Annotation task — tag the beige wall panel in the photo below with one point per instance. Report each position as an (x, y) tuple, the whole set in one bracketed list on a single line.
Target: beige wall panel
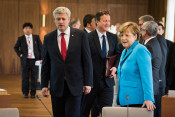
[(14, 13), (8, 33)]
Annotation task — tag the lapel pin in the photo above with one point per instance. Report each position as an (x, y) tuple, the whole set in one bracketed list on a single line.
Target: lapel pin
[(72, 35)]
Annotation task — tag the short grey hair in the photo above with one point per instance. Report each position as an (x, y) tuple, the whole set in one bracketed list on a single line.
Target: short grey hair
[(74, 21), (61, 10), (151, 27), (146, 18)]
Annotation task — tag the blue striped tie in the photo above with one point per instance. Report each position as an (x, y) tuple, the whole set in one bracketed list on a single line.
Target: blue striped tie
[(104, 47)]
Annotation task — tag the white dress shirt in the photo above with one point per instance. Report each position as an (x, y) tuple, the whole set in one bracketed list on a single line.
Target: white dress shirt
[(146, 41), (66, 36), (30, 46), (101, 40), (87, 30)]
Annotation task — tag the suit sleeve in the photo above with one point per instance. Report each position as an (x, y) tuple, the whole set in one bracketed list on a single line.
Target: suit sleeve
[(45, 70), (17, 47), (39, 47), (87, 62), (145, 69), (117, 52)]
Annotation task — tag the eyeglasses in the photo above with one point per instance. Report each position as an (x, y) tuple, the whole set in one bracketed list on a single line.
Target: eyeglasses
[(140, 24), (142, 29), (78, 24)]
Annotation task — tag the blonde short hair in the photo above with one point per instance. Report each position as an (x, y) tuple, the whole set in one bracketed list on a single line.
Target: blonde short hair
[(133, 27), (61, 10)]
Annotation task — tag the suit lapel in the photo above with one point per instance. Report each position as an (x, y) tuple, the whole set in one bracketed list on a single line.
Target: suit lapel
[(109, 42), (97, 42), (55, 44), (33, 42), (70, 45), (125, 55), (25, 42)]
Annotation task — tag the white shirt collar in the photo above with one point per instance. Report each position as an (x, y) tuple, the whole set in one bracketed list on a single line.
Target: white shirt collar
[(87, 30), (67, 31), (28, 36), (146, 41), (99, 34)]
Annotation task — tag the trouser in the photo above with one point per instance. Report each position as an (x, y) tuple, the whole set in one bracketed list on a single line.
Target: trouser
[(29, 70), (101, 96), (67, 105)]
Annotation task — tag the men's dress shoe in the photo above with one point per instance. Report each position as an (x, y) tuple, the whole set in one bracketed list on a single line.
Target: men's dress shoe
[(25, 95), (32, 96)]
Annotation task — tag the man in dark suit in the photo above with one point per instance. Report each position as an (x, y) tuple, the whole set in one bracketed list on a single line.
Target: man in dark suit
[(67, 64), (28, 47), (149, 33), (102, 44), (169, 67), (164, 50), (143, 19), (89, 23)]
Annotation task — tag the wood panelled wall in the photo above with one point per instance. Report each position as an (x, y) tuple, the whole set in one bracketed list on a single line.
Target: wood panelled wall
[(13, 13), (157, 8)]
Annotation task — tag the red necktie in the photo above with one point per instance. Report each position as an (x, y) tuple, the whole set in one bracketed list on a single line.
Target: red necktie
[(63, 46)]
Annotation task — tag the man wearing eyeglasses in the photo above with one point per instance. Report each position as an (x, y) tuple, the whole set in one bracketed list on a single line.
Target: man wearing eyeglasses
[(162, 76)]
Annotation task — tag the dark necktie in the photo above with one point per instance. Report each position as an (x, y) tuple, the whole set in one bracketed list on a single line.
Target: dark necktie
[(104, 47), (63, 46)]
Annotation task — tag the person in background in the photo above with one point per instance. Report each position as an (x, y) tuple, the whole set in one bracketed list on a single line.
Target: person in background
[(29, 48), (89, 23), (161, 29), (170, 60), (135, 87), (75, 23), (117, 29), (118, 36), (164, 49), (149, 33), (143, 19), (67, 64)]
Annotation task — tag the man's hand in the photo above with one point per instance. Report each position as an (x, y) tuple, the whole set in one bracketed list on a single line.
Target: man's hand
[(45, 92), (86, 89), (149, 104), (41, 61), (113, 71)]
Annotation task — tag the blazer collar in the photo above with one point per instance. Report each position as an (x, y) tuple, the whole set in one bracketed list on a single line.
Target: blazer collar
[(97, 42), (110, 41), (70, 45), (71, 39), (126, 53), (55, 44)]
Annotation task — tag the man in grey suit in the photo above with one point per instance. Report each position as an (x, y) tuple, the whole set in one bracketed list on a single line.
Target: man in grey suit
[(67, 64), (28, 47), (149, 33)]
